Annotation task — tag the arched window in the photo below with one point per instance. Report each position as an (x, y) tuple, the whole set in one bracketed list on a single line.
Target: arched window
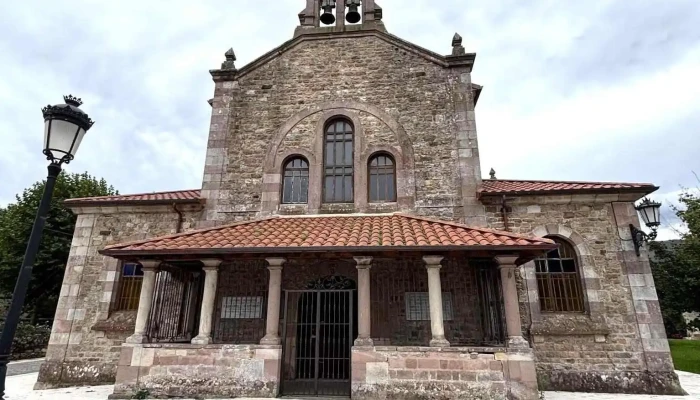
[(338, 162), (382, 178), (558, 280), (295, 188)]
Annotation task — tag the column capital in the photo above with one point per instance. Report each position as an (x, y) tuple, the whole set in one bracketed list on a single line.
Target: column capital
[(506, 261), (275, 262), (150, 265), (211, 264), (363, 262), (433, 261)]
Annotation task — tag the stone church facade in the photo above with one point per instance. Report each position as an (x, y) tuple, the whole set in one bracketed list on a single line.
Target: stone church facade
[(344, 243)]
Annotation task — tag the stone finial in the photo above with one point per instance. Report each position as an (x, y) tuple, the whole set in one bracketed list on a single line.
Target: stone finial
[(230, 60), (492, 173), (378, 14), (457, 48)]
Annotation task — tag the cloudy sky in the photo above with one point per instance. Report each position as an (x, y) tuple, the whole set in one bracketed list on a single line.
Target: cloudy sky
[(574, 90)]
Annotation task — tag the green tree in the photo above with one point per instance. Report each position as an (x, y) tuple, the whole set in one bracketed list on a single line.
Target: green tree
[(676, 267), (16, 222)]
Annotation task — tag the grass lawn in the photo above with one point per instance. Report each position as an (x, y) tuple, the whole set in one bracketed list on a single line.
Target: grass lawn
[(686, 354)]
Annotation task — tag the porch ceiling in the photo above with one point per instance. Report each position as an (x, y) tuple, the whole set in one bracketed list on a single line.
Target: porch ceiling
[(351, 233)]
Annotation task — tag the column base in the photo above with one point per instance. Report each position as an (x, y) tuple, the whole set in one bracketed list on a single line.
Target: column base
[(517, 343), (271, 340), (137, 339), (439, 342), (364, 342), (201, 339)]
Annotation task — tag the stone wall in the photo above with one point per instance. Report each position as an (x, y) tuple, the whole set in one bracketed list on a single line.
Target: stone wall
[(618, 344), (429, 373), (185, 371), (87, 335), (402, 100)]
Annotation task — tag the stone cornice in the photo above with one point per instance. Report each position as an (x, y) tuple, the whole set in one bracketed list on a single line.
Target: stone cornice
[(462, 61), (153, 208)]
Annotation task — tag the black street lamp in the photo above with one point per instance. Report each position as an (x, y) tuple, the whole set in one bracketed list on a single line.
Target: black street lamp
[(650, 211), (65, 126)]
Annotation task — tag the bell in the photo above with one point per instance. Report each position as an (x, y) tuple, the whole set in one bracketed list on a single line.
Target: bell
[(327, 17), (353, 16)]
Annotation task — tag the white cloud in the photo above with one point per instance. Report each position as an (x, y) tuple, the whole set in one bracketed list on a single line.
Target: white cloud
[(602, 90)]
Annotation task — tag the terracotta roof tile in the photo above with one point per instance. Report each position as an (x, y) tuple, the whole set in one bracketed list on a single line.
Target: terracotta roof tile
[(395, 230), (490, 186), (156, 197), (501, 186)]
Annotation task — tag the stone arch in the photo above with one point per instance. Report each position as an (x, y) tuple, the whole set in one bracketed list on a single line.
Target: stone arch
[(405, 189), (403, 154), (291, 152), (590, 280), (339, 108)]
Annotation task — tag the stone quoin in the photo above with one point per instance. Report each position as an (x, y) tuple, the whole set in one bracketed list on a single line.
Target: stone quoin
[(343, 242)]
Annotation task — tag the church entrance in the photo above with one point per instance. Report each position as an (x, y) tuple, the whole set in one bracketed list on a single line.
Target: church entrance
[(319, 328)]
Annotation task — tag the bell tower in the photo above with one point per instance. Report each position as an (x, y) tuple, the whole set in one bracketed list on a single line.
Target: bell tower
[(340, 15)]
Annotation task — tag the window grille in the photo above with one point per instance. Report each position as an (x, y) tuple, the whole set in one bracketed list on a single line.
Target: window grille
[(177, 300), (241, 302), (295, 188), (382, 179), (401, 310), (338, 163), (558, 280), (129, 289)]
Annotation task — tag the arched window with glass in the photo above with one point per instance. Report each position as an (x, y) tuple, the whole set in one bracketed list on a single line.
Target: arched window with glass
[(558, 280), (382, 178), (295, 187), (338, 162)]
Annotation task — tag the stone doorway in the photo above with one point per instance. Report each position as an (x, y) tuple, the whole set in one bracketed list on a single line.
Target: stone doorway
[(319, 327)]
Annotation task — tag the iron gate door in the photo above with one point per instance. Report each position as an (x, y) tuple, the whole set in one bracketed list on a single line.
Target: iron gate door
[(318, 333)]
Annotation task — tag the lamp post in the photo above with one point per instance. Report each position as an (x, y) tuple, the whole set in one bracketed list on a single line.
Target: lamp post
[(65, 126), (650, 211)]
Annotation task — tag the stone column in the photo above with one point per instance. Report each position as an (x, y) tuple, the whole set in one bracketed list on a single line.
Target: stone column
[(506, 264), (274, 293), (211, 278), (150, 268), (364, 304), (432, 263)]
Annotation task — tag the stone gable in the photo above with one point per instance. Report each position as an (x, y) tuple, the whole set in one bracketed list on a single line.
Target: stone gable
[(417, 96)]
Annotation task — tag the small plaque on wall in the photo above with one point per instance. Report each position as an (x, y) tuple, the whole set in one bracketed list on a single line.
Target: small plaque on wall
[(242, 307), (418, 306)]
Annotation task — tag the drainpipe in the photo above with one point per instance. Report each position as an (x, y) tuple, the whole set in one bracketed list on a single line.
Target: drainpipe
[(180, 218), (505, 209)]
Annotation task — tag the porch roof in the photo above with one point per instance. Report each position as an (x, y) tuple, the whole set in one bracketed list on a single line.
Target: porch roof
[(358, 233), (524, 187)]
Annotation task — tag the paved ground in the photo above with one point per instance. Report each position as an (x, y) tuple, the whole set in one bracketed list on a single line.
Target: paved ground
[(24, 367), (19, 387)]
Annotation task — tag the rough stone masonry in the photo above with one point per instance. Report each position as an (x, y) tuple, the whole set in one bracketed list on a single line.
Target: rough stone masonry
[(418, 107)]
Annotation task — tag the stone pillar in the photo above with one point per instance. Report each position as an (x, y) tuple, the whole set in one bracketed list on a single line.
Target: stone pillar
[(211, 278), (432, 263), (150, 268), (506, 264), (650, 323), (340, 14), (274, 293), (364, 304)]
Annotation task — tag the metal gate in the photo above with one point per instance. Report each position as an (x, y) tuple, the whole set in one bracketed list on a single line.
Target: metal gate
[(318, 331)]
